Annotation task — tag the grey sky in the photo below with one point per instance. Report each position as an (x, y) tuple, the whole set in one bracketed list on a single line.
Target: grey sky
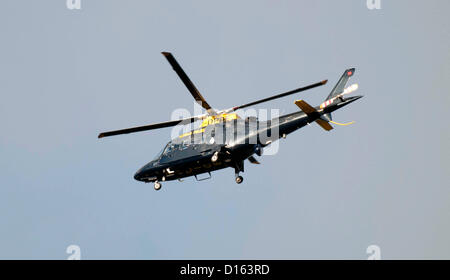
[(66, 75)]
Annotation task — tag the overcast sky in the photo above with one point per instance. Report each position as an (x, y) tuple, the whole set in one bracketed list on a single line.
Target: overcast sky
[(66, 75)]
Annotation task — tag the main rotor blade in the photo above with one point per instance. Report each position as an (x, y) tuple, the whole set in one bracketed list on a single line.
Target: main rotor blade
[(188, 83), (150, 126), (278, 96)]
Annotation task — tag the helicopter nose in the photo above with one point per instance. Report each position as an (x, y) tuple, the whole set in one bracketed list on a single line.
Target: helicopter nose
[(138, 175), (146, 173)]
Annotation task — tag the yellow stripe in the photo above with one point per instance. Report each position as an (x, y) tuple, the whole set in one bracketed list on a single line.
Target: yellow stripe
[(211, 120), (192, 132)]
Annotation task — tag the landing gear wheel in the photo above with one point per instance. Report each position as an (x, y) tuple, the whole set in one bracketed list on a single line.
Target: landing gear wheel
[(215, 157), (239, 179), (157, 186)]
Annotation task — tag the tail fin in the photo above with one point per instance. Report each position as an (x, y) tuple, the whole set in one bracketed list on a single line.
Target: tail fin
[(339, 88)]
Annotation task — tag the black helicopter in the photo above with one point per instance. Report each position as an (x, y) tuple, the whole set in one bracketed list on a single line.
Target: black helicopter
[(224, 139)]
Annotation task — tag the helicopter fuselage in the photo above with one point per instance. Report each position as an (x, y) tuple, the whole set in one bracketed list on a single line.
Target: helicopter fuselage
[(232, 141)]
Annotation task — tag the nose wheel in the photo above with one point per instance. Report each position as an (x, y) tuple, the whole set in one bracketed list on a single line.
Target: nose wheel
[(157, 186)]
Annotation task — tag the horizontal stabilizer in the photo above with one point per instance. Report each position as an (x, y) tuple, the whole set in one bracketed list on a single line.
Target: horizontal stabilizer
[(324, 124), (305, 107), (311, 111)]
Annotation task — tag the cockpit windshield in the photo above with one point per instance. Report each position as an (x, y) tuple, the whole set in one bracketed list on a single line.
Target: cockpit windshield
[(170, 148), (158, 155), (167, 150)]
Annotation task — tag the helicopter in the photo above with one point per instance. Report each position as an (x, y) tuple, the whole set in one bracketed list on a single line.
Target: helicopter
[(224, 139)]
